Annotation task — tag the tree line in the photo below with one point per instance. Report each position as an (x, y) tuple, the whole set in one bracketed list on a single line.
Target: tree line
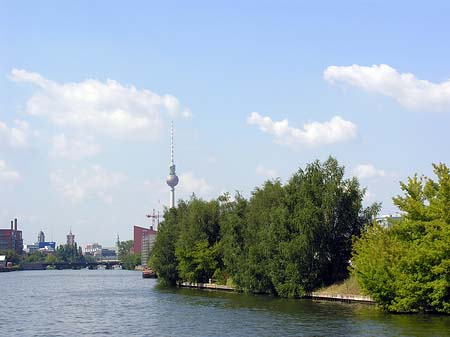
[(286, 239), (289, 239)]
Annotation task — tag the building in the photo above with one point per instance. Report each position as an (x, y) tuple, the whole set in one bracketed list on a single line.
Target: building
[(138, 232), (70, 238), (109, 254), (41, 237), (32, 248), (11, 239), (95, 250), (47, 246), (388, 219), (146, 235), (99, 253), (148, 240), (41, 245)]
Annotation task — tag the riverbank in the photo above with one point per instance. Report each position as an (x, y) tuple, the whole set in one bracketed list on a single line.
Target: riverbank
[(8, 269), (340, 298), (213, 286), (321, 295)]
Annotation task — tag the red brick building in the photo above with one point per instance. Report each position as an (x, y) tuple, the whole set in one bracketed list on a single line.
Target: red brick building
[(139, 234), (11, 238)]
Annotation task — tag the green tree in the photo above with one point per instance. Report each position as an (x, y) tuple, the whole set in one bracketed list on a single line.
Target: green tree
[(12, 256), (130, 261), (324, 212), (285, 240), (34, 257), (162, 257), (51, 259), (196, 244), (232, 243), (125, 248), (262, 216), (69, 254), (407, 267), (126, 256)]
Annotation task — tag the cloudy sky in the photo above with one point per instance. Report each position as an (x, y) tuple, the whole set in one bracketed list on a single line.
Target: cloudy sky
[(256, 90)]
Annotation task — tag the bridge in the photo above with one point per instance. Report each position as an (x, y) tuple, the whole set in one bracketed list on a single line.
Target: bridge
[(108, 264)]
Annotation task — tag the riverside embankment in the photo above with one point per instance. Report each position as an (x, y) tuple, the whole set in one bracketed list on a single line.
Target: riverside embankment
[(348, 298)]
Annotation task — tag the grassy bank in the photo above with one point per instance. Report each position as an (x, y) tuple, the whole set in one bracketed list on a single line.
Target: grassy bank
[(347, 287)]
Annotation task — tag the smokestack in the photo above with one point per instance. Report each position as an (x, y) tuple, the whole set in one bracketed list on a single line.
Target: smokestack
[(15, 224), (12, 225)]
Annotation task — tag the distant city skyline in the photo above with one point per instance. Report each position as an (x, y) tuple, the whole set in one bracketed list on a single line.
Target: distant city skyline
[(256, 89)]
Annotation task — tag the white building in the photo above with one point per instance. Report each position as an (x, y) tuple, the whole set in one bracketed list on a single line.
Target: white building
[(387, 220), (95, 250)]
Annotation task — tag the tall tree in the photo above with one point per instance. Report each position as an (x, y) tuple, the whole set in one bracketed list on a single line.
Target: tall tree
[(407, 267), (195, 248), (232, 226), (162, 257)]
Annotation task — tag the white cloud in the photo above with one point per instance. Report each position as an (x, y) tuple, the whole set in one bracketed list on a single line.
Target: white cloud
[(6, 174), (189, 184), (16, 136), (107, 107), (406, 88), (268, 173), (73, 148), (93, 181), (364, 171), (313, 133)]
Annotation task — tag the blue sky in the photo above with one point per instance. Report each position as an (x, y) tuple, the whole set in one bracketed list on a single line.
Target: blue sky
[(255, 89)]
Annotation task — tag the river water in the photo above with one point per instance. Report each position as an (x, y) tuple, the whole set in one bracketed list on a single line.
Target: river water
[(121, 303)]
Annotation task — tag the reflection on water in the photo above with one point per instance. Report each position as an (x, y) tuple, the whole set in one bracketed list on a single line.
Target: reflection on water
[(121, 303)]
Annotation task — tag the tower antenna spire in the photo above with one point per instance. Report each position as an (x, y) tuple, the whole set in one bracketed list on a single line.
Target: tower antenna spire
[(171, 144), (172, 178)]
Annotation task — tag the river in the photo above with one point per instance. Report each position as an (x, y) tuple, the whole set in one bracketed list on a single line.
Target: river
[(121, 303)]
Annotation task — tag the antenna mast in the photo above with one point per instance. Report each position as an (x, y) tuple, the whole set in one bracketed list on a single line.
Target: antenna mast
[(172, 178)]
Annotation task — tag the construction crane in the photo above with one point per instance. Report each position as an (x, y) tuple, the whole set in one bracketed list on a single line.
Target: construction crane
[(155, 219)]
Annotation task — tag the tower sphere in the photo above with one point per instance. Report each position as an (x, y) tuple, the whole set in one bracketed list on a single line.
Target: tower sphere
[(172, 180)]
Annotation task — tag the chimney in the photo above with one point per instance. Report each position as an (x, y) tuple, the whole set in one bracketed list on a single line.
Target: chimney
[(15, 224), (12, 225)]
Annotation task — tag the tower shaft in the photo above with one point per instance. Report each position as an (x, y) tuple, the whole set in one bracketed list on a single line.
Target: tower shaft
[(172, 198)]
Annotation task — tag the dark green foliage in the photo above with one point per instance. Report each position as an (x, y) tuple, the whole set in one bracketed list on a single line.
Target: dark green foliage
[(162, 258), (195, 248), (35, 257), (284, 240), (406, 268), (69, 254), (324, 213), (259, 223), (50, 259), (125, 248), (131, 260), (12, 256), (232, 226), (126, 256)]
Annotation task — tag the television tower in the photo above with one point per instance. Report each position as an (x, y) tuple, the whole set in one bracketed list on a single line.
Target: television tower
[(172, 178)]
